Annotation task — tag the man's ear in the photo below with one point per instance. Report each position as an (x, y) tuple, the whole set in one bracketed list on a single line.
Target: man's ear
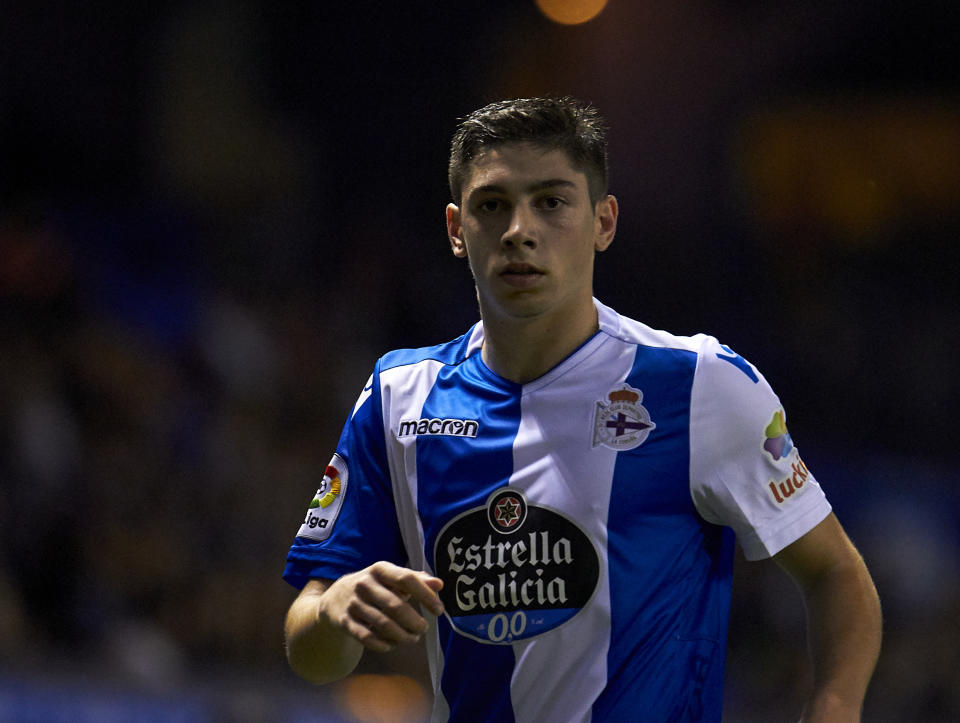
[(605, 222), (455, 232)]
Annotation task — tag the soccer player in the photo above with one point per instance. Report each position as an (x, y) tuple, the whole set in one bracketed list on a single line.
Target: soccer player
[(551, 499)]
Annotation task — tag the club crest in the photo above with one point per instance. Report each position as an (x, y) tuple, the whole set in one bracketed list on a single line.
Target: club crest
[(621, 422)]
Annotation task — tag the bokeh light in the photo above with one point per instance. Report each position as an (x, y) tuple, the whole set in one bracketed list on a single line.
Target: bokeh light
[(373, 698), (571, 12)]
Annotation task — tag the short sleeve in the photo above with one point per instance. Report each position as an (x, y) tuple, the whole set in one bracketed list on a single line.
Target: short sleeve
[(351, 522), (746, 471)]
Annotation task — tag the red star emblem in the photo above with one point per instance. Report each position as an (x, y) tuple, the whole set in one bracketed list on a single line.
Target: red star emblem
[(507, 512)]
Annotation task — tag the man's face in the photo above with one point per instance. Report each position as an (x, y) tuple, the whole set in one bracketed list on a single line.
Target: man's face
[(529, 229)]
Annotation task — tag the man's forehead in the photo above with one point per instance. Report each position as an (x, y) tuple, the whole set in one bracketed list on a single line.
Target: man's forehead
[(522, 163)]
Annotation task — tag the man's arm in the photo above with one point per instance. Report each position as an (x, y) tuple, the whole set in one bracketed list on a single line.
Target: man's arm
[(330, 623), (843, 619)]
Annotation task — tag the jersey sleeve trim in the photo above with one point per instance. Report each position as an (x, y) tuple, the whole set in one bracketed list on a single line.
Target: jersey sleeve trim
[(764, 541), (301, 569)]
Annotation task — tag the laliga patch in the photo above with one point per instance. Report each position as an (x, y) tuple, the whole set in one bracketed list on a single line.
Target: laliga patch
[(326, 504), (621, 422), (513, 570)]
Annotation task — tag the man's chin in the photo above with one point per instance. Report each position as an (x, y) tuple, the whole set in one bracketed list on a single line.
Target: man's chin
[(526, 304)]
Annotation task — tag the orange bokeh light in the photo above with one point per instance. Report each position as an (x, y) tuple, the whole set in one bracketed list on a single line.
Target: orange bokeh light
[(382, 698), (571, 12)]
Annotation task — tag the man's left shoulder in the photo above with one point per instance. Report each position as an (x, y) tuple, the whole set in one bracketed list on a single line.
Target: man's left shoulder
[(716, 363), (636, 332)]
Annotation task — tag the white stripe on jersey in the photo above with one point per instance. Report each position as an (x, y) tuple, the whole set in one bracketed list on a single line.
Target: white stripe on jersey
[(411, 385), (537, 464)]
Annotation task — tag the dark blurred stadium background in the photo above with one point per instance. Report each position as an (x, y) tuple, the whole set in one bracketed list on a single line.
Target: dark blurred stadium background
[(215, 216)]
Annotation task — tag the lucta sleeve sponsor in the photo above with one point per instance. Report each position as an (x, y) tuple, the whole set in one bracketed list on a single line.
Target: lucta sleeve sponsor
[(746, 471)]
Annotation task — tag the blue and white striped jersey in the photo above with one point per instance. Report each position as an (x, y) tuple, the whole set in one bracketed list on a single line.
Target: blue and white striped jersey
[(583, 523)]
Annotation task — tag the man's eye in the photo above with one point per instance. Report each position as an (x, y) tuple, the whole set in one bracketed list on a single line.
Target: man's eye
[(552, 202), (489, 206)]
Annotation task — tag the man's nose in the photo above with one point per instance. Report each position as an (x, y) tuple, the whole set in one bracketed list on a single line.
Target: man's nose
[(522, 230)]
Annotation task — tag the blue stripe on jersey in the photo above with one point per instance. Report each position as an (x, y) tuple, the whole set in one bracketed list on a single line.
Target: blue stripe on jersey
[(455, 474), (658, 542), (450, 352)]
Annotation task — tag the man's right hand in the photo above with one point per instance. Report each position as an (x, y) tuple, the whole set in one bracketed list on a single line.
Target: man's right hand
[(330, 623), (376, 605)]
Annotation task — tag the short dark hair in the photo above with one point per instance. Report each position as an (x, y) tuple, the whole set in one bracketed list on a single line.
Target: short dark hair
[(562, 123)]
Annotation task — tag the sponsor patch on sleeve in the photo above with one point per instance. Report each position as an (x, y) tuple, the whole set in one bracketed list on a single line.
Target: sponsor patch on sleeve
[(793, 483), (779, 450), (777, 442), (326, 504)]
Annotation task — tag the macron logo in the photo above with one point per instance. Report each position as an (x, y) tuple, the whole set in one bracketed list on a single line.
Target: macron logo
[(445, 427)]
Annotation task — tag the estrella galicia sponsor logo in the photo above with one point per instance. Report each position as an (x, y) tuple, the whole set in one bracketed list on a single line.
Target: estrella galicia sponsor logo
[(326, 504), (513, 570), (436, 427)]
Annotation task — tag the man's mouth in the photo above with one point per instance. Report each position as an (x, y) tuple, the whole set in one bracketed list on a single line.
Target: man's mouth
[(520, 270), (518, 274)]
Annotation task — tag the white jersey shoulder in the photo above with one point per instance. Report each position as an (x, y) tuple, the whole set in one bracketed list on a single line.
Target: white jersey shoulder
[(635, 332)]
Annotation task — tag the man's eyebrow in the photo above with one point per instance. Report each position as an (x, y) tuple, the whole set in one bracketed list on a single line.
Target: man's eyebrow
[(537, 186), (553, 183)]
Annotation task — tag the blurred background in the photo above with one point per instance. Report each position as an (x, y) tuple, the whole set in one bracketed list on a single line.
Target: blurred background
[(215, 216)]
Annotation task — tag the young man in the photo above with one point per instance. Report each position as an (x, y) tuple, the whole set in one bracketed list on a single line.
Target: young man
[(551, 499)]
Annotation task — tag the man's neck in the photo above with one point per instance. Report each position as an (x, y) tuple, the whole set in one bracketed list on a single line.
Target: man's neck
[(522, 350)]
